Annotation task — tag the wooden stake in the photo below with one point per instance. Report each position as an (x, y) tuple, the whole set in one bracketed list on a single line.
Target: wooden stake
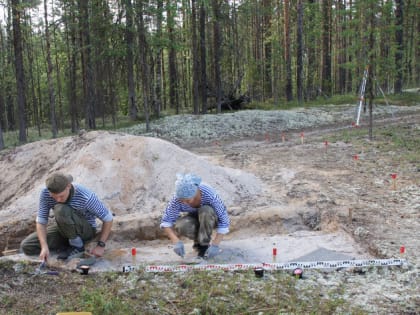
[(350, 215), (10, 252)]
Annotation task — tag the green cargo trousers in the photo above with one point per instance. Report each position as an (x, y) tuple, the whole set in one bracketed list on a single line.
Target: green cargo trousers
[(198, 226), (69, 225)]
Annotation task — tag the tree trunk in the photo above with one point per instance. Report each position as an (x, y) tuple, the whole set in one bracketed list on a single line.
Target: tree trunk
[(287, 57), (59, 95), (299, 57), (349, 57), (51, 91), (399, 39), (3, 64), (267, 49), (371, 57), (194, 56), (1, 137), (217, 53), (19, 70), (158, 70), (35, 99), (312, 76), (72, 61), (89, 91), (203, 58), (326, 47), (129, 31), (144, 66), (173, 75), (341, 48)]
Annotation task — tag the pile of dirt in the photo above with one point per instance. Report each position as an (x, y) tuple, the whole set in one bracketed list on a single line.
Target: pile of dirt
[(133, 175)]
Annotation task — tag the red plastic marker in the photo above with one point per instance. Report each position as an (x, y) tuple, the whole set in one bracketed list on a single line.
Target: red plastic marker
[(133, 254), (402, 250), (394, 181), (302, 136), (274, 254)]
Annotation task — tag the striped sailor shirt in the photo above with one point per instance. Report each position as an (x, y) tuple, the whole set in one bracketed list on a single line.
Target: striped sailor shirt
[(208, 197), (84, 201)]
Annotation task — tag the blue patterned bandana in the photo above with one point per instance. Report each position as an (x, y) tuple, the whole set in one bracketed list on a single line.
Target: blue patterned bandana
[(186, 185)]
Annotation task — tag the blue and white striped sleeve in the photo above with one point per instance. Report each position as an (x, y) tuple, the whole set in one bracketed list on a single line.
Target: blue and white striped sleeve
[(171, 213), (210, 197), (223, 223), (46, 203), (95, 206)]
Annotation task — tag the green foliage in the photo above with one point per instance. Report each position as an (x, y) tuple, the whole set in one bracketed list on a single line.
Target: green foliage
[(102, 301), (199, 292), (403, 142), (252, 59), (403, 99), (205, 293)]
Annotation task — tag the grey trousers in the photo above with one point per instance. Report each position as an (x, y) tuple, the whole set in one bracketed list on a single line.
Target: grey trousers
[(69, 225), (198, 226)]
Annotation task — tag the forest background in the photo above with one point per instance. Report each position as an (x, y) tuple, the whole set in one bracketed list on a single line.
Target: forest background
[(68, 65)]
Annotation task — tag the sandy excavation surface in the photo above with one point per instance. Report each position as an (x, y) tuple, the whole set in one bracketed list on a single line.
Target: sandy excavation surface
[(300, 196)]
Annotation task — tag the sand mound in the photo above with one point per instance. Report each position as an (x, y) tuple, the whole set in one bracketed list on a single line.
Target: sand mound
[(133, 175)]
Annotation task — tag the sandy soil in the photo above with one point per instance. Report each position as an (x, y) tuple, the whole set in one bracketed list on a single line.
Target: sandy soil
[(299, 195), (275, 189)]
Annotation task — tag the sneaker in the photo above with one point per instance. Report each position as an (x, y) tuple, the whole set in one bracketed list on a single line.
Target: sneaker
[(71, 252)]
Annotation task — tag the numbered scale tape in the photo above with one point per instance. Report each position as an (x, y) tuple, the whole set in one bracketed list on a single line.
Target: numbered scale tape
[(332, 264)]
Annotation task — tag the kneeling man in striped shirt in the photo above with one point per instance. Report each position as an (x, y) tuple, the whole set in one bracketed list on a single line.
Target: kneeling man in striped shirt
[(75, 209), (194, 211)]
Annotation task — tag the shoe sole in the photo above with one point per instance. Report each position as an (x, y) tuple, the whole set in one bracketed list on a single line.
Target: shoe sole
[(78, 255)]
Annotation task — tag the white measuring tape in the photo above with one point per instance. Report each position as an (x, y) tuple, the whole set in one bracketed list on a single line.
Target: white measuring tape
[(273, 266)]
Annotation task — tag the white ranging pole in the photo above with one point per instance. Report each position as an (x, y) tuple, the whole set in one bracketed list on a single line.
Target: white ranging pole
[(332, 264), (362, 94)]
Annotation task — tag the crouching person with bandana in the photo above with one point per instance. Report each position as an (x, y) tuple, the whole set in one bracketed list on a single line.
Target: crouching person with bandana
[(75, 210), (195, 211)]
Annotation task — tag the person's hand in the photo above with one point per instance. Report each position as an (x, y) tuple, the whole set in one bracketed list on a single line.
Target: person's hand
[(212, 251), (98, 251), (179, 249), (43, 255)]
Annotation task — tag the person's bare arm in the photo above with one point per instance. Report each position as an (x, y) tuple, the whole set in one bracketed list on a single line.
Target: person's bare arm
[(171, 234), (217, 239), (41, 231), (105, 231)]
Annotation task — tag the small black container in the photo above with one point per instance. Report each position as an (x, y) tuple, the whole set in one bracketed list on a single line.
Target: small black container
[(84, 269), (259, 272)]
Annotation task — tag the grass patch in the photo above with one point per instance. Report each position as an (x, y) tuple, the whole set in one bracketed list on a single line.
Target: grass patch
[(399, 146), (215, 292)]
